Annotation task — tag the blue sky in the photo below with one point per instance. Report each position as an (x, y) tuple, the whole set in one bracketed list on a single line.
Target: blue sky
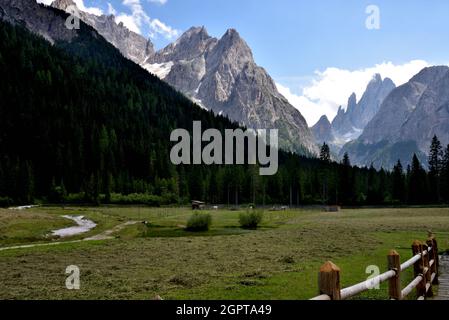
[(301, 42)]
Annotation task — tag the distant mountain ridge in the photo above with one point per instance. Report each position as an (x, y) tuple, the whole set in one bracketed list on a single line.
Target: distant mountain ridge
[(359, 114), (217, 74), (406, 122), (132, 45), (221, 75), (348, 125)]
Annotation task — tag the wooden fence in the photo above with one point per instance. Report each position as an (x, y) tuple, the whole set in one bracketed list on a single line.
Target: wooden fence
[(425, 267)]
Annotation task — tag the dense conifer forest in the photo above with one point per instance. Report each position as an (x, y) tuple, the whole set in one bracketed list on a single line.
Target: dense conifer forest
[(80, 123)]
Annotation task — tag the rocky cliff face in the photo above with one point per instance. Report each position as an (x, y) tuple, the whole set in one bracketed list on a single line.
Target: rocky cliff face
[(218, 74), (47, 23), (221, 75), (131, 45), (406, 122), (323, 132), (342, 123), (370, 103), (357, 115)]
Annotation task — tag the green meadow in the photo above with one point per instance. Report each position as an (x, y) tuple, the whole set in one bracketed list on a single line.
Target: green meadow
[(279, 260)]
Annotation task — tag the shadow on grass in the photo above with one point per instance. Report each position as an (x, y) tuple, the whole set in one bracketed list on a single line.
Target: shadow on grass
[(170, 232)]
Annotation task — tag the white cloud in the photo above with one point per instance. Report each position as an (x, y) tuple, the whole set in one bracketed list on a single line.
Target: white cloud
[(310, 110), (80, 5), (158, 27), (111, 9), (135, 21), (92, 10), (128, 22), (161, 2), (139, 18), (331, 88), (46, 2)]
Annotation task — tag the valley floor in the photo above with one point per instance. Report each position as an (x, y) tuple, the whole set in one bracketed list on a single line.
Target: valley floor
[(139, 261)]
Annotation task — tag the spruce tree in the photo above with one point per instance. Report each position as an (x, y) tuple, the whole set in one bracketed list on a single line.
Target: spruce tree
[(445, 175), (435, 159), (418, 187), (346, 181), (398, 183), (325, 154)]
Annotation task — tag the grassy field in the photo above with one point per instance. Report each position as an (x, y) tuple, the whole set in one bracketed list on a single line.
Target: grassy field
[(280, 260)]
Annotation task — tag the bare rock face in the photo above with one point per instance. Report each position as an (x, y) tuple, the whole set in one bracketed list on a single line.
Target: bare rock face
[(218, 74), (348, 125), (323, 132), (406, 122), (221, 75), (342, 123), (132, 45), (49, 24), (370, 103), (357, 115)]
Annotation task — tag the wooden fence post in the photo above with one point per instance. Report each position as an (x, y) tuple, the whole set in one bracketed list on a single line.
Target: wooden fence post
[(329, 280), (428, 273), (437, 260), (418, 269), (394, 284), (433, 254)]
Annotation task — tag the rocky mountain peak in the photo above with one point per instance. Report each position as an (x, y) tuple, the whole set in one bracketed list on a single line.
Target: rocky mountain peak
[(407, 120), (324, 121), (232, 33), (430, 75), (323, 132), (63, 4), (222, 76), (358, 114), (195, 32), (132, 45), (352, 103), (389, 82), (340, 111), (36, 18), (231, 50), (377, 82), (377, 78), (232, 39), (191, 45)]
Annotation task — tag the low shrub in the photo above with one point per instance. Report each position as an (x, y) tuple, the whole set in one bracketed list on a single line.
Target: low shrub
[(251, 219), (75, 198), (5, 202), (136, 198), (199, 222)]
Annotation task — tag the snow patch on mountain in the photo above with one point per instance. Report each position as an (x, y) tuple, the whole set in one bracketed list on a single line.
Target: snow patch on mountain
[(160, 70)]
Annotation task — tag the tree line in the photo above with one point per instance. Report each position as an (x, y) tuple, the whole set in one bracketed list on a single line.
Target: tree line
[(80, 123)]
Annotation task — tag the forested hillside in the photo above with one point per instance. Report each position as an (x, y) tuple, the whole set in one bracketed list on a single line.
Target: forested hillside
[(78, 122)]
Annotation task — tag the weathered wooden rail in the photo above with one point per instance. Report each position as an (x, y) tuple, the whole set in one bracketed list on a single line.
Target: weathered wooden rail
[(425, 262)]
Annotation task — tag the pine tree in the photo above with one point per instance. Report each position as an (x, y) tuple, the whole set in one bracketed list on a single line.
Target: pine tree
[(398, 183), (445, 175), (325, 153), (346, 181), (346, 162), (435, 159), (418, 187)]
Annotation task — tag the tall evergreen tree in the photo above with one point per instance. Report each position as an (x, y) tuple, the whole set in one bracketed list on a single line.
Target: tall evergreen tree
[(435, 159), (398, 183), (346, 181), (325, 154), (418, 186), (445, 175)]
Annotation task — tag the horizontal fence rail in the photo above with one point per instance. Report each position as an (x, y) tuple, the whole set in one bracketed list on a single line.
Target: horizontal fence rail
[(425, 268)]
